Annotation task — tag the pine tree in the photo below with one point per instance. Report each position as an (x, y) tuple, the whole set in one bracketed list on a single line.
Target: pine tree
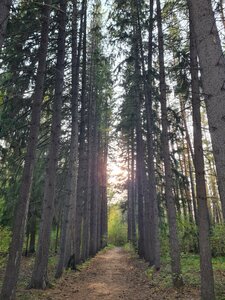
[(212, 64), (207, 282), (39, 276), (4, 15), (21, 211), (171, 210)]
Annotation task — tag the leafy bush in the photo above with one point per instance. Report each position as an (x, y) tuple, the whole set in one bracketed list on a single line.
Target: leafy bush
[(218, 240), (117, 228), (5, 236), (188, 236)]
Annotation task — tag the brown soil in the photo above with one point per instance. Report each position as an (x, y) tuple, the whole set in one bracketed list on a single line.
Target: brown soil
[(111, 275)]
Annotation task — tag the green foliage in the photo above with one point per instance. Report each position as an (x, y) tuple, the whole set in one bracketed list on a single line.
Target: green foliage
[(218, 240), (117, 228), (5, 236), (129, 247), (164, 239), (188, 236)]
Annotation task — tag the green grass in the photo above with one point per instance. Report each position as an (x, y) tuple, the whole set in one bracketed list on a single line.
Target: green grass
[(130, 248), (190, 264)]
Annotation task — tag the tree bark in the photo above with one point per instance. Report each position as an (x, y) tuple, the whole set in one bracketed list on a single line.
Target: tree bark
[(154, 214), (104, 216), (133, 192), (171, 210), (71, 197), (207, 281), (82, 169), (212, 64), (21, 211), (140, 169), (95, 193), (93, 155), (39, 276)]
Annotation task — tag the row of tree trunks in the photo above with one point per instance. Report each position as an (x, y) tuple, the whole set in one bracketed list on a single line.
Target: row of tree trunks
[(85, 169), (82, 169), (83, 222), (212, 64), (207, 282), (21, 210), (67, 254), (171, 210), (39, 276)]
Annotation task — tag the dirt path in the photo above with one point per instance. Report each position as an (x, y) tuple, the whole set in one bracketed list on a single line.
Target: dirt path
[(113, 274)]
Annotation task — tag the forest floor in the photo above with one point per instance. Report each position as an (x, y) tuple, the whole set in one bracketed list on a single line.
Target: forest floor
[(112, 274)]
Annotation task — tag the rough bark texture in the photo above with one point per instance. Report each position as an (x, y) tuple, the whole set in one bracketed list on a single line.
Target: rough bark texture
[(4, 15), (207, 282), (94, 195), (99, 205), (82, 169), (140, 169), (70, 200), (171, 210), (131, 233), (93, 158), (39, 276), (154, 218), (21, 211), (104, 211), (212, 64), (133, 192)]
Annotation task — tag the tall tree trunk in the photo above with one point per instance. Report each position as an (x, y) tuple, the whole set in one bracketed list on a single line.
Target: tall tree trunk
[(39, 276), (212, 64), (94, 194), (100, 184), (104, 227), (171, 210), (129, 195), (4, 15), (93, 164), (207, 282), (140, 169), (90, 118), (70, 201), (133, 192), (21, 211), (82, 169), (154, 238), (152, 243)]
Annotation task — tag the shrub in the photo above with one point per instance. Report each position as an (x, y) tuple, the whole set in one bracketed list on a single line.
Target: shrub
[(188, 236), (5, 236), (117, 228), (218, 240)]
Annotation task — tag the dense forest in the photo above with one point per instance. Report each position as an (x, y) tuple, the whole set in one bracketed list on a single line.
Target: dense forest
[(90, 86)]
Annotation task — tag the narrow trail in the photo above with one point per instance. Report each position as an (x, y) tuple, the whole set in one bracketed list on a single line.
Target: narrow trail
[(113, 274)]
